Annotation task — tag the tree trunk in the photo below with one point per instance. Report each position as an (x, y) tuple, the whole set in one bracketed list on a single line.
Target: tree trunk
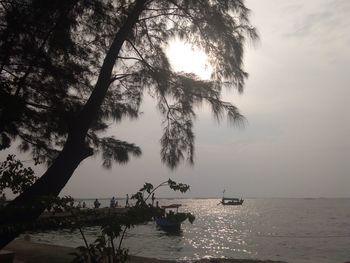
[(26, 208)]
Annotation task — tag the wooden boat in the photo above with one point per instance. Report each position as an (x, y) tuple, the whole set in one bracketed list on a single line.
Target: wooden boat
[(231, 201), (168, 221)]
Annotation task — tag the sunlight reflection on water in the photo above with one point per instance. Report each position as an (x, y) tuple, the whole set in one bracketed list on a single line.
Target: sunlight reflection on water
[(293, 230)]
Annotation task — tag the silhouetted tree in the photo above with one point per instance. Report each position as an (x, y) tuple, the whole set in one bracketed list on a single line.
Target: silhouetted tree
[(69, 66), (47, 72)]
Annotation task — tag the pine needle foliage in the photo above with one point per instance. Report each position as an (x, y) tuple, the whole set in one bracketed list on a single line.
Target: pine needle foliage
[(51, 54)]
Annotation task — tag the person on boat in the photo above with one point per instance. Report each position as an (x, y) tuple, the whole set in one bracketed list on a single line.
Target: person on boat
[(112, 203), (97, 203), (153, 199), (127, 201)]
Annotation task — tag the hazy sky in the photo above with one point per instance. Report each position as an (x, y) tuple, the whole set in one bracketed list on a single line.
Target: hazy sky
[(296, 141)]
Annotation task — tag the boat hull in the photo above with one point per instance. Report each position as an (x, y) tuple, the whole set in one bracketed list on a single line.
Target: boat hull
[(232, 201), (168, 225)]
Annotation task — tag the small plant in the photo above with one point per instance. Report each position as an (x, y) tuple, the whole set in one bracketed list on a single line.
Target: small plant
[(106, 248)]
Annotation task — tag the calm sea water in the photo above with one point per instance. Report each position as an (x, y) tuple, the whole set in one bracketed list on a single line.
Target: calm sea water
[(292, 230)]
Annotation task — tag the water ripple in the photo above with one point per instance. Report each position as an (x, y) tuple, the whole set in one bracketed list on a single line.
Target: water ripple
[(293, 230)]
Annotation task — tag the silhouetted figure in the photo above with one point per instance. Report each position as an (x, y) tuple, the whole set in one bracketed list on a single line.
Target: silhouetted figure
[(2, 200), (157, 204), (84, 205), (127, 201), (112, 203), (153, 199), (97, 203)]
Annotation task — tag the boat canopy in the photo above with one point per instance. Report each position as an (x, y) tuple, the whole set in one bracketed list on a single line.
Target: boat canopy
[(171, 206), (230, 199)]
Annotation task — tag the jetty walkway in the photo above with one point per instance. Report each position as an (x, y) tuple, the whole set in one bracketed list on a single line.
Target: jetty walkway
[(84, 216)]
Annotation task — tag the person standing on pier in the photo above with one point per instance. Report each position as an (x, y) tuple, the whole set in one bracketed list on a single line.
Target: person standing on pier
[(2, 200), (153, 199), (97, 203), (112, 204), (127, 201)]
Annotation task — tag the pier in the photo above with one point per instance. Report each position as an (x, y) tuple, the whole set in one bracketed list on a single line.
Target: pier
[(67, 219), (93, 216)]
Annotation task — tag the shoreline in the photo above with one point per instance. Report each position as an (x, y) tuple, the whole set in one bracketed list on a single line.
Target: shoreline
[(30, 252)]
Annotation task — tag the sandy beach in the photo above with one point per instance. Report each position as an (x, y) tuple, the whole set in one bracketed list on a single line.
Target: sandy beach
[(30, 252)]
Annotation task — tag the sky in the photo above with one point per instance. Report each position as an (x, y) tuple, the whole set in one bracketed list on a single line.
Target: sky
[(296, 139)]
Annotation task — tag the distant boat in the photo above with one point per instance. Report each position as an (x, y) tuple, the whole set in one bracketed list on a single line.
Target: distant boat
[(231, 201)]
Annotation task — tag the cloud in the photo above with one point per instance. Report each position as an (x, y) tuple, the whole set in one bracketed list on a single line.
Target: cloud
[(323, 19)]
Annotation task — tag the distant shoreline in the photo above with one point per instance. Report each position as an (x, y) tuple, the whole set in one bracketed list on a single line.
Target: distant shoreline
[(206, 198)]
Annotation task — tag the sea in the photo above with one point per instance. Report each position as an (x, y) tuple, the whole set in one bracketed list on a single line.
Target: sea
[(290, 230)]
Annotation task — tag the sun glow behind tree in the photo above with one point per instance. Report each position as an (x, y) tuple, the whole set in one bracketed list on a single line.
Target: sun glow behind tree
[(183, 57)]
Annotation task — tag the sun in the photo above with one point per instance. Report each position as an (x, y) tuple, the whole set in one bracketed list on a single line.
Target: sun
[(183, 57)]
